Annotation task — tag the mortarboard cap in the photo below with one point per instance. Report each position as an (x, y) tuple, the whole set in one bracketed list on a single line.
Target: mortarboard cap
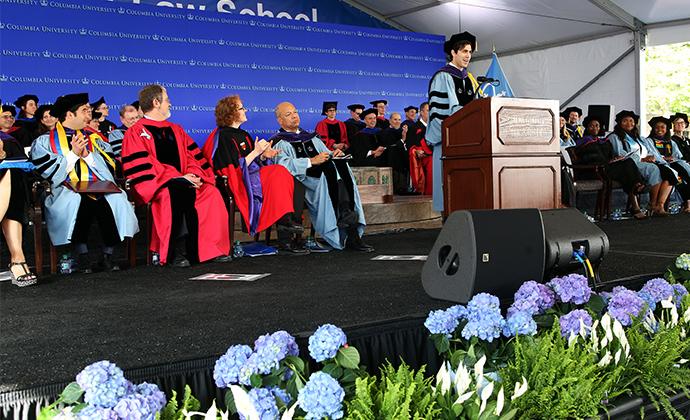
[(652, 123), (98, 103), (355, 107), (369, 111), (411, 107), (378, 101), (135, 104), (66, 102), (42, 109), (9, 108), (680, 115), (327, 105), (589, 118), (626, 113), (22, 100), (568, 110), (464, 36)]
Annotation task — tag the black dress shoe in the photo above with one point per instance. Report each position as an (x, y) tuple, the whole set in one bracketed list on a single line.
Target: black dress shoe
[(288, 226), (292, 247), (83, 264), (355, 243), (107, 264), (222, 259), (180, 262)]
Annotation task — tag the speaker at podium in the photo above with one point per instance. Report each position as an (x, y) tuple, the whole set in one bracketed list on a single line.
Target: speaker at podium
[(495, 251)]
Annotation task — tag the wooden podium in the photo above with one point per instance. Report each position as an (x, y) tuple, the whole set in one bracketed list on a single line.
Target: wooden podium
[(502, 153)]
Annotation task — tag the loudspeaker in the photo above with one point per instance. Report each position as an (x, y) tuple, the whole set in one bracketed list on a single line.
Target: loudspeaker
[(606, 113), (491, 251), (495, 251), (567, 230)]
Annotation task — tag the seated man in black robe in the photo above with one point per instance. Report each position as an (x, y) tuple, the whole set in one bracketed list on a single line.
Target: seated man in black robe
[(367, 148)]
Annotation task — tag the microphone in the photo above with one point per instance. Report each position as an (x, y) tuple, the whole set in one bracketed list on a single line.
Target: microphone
[(482, 79)]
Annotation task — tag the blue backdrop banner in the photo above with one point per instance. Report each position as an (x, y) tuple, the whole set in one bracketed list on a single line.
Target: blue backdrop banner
[(325, 11), (53, 47)]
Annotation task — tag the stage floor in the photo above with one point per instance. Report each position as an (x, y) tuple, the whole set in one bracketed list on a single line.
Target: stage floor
[(151, 316)]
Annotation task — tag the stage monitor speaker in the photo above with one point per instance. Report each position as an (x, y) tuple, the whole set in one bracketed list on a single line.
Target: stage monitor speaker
[(566, 230), (495, 251), (606, 113), (491, 251)]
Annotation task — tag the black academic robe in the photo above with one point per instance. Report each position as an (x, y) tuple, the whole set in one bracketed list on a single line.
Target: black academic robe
[(22, 133), (683, 145), (105, 127), (353, 128), (397, 157), (382, 122), (366, 140)]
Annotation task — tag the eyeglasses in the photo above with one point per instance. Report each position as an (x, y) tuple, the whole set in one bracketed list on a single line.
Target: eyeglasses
[(242, 109)]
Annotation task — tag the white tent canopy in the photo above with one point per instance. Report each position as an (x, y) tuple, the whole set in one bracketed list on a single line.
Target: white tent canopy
[(580, 52)]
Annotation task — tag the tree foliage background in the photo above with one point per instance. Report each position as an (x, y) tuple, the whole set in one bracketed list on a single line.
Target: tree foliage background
[(668, 80)]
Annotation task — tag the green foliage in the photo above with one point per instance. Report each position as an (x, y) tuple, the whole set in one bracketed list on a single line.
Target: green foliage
[(175, 411), (654, 369), (667, 79), (564, 381), (71, 395), (394, 395)]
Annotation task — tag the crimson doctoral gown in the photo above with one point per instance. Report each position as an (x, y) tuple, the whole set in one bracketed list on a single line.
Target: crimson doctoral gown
[(148, 177)]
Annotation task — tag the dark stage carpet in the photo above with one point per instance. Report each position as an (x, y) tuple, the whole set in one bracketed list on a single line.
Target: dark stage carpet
[(152, 316)]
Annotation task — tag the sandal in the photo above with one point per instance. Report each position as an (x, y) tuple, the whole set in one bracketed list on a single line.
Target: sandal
[(639, 214), (26, 279)]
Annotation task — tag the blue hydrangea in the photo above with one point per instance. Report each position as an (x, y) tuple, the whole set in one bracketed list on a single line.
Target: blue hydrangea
[(458, 311), (227, 368), (265, 404), (248, 369), (325, 342), (678, 292), (441, 322), (97, 413), (625, 305), (136, 407), (570, 322), (519, 323), (321, 397), (533, 298), (103, 384), (572, 288), (648, 298), (484, 319), (270, 349), (281, 394), (658, 289), (288, 341), (155, 398)]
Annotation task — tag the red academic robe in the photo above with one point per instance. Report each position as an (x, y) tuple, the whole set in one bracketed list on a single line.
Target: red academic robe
[(322, 131), (421, 168), (226, 154), (148, 176)]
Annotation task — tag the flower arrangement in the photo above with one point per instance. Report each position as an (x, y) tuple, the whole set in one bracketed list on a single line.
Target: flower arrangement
[(102, 392), (560, 350)]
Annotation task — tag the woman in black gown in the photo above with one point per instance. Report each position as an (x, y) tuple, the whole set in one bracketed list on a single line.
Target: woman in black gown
[(593, 149), (13, 205)]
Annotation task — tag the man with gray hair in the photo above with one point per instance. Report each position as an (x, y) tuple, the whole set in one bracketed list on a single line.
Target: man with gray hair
[(128, 116), (331, 192)]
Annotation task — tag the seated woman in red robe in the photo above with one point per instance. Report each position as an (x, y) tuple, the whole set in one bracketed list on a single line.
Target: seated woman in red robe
[(262, 191)]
